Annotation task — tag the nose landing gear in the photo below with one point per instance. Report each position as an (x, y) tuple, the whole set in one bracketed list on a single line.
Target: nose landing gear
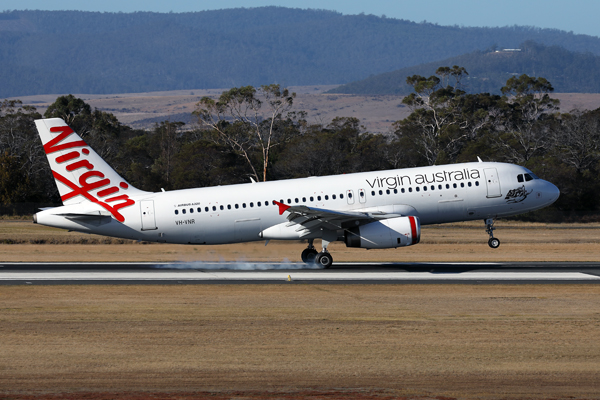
[(493, 242)]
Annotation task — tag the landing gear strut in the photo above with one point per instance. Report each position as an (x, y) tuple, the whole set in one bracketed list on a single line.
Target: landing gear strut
[(493, 242)]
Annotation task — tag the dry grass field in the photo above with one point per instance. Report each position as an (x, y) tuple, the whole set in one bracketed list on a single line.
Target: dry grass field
[(22, 241), (294, 341), (376, 113)]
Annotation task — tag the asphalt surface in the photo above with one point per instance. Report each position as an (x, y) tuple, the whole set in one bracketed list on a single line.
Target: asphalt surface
[(298, 273)]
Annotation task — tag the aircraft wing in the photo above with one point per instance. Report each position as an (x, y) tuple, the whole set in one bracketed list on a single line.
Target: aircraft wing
[(311, 219)]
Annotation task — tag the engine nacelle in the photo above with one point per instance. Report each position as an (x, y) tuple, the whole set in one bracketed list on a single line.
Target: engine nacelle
[(385, 234)]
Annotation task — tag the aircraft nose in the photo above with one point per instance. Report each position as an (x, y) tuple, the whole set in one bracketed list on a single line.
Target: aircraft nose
[(551, 192)]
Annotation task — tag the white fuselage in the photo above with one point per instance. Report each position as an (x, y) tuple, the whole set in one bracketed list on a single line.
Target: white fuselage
[(238, 213)]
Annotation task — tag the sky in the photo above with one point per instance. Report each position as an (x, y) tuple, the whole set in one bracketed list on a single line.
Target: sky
[(578, 16)]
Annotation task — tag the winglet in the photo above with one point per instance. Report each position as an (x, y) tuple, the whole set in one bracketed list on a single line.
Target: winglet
[(282, 207)]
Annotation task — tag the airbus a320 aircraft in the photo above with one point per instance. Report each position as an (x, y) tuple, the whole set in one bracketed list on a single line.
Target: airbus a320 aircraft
[(372, 210)]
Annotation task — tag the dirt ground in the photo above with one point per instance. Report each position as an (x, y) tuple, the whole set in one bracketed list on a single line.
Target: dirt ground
[(457, 341), (439, 243)]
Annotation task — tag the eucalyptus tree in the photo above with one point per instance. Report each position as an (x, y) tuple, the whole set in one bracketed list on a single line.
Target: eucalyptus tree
[(436, 122), (252, 121), (524, 130)]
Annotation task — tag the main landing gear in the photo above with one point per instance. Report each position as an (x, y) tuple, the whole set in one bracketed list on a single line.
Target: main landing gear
[(310, 255), (493, 242)]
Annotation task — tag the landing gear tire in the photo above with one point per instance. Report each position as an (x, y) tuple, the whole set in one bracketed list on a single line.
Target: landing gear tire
[(324, 260), (494, 243), (308, 255)]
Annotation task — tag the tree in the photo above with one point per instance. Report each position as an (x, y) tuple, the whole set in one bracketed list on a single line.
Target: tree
[(167, 134), (239, 120), (576, 139), (23, 153), (435, 122), (527, 109)]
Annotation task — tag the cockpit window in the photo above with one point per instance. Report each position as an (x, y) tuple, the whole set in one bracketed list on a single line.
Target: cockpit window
[(520, 178), (528, 177)]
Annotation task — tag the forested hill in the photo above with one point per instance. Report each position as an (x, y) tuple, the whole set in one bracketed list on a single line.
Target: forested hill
[(569, 72), (88, 52)]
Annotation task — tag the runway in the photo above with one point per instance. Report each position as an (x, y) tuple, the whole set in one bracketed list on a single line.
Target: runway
[(290, 273)]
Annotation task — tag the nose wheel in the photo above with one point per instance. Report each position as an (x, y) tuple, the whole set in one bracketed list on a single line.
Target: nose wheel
[(493, 242)]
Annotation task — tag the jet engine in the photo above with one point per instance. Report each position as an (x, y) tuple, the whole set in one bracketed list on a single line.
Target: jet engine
[(385, 234)]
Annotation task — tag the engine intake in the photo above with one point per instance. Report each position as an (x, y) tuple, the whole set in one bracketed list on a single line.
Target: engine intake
[(385, 234)]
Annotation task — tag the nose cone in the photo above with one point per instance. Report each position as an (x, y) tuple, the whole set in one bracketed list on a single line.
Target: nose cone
[(551, 193)]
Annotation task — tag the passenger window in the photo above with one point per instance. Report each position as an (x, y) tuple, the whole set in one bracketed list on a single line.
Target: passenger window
[(432, 187), (221, 207), (372, 193), (350, 194), (312, 198), (258, 204), (289, 201), (237, 206), (176, 212), (447, 186), (326, 197), (266, 203), (528, 178), (387, 191), (380, 192), (199, 209), (410, 189), (362, 194), (403, 191), (395, 191), (520, 178), (206, 209), (424, 188), (214, 208), (183, 211), (243, 205), (418, 189), (251, 204), (476, 183), (319, 198), (440, 187), (454, 185), (304, 199), (191, 210), (341, 196), (462, 184), (333, 196), (229, 206)]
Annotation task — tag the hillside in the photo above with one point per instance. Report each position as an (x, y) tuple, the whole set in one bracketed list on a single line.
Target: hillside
[(90, 52), (568, 71)]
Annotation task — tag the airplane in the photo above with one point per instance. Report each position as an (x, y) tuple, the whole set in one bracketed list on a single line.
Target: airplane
[(371, 210)]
